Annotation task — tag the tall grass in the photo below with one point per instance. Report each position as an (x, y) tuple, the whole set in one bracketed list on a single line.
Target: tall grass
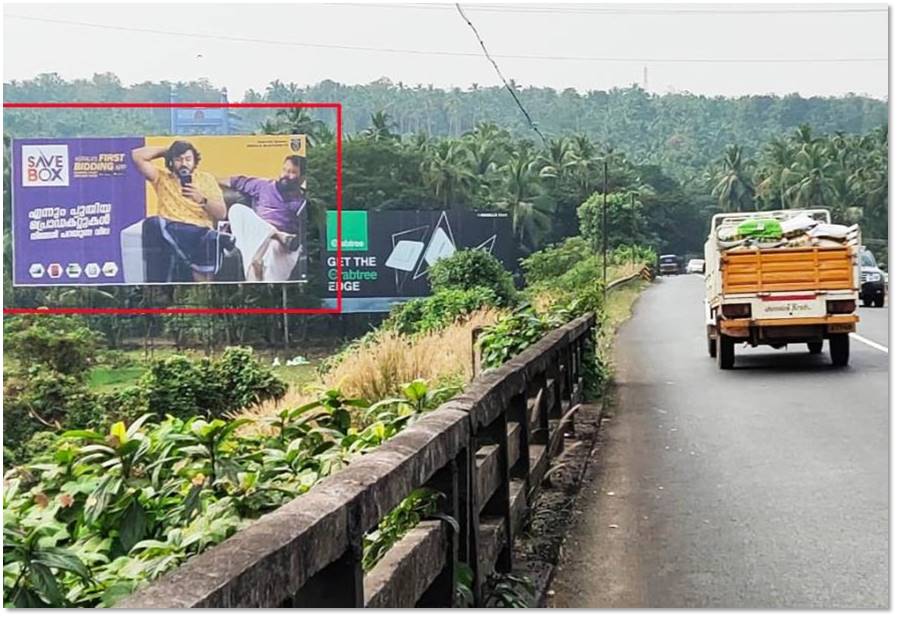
[(377, 369)]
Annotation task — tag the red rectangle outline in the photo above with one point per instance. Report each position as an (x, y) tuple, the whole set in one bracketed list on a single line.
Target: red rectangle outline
[(338, 107)]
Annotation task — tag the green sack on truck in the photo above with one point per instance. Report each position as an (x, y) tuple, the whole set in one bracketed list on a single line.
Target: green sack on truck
[(760, 228)]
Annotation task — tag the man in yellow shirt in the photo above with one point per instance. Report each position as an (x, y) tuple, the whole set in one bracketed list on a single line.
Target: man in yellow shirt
[(180, 230)]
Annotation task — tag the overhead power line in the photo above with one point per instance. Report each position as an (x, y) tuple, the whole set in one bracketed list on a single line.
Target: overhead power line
[(621, 10), (437, 52), (502, 77)]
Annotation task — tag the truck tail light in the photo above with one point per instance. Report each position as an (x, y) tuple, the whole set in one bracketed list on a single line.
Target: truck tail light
[(840, 306), (736, 310)]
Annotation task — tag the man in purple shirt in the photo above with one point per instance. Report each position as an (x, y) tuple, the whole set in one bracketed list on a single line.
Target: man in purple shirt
[(269, 232)]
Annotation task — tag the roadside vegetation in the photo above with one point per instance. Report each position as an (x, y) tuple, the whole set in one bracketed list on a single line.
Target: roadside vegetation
[(106, 490)]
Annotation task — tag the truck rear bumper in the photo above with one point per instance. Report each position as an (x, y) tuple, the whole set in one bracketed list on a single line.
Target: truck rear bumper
[(787, 330)]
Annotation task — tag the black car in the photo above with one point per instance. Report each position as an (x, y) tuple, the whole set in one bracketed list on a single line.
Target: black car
[(872, 291), (669, 264)]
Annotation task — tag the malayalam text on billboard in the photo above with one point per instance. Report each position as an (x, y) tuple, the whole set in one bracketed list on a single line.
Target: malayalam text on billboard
[(159, 210)]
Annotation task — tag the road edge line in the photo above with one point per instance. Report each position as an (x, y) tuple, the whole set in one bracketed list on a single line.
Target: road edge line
[(871, 344)]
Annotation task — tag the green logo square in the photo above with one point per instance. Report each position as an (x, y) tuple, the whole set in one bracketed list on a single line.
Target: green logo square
[(355, 230)]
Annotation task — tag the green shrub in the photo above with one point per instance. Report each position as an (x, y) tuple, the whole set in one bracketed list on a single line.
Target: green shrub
[(62, 343), (177, 386), (184, 388), (242, 381), (511, 335), (102, 512), (439, 310), (41, 399), (471, 268), (556, 260)]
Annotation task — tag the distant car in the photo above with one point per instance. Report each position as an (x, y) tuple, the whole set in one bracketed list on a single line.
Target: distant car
[(669, 264), (695, 266), (874, 281)]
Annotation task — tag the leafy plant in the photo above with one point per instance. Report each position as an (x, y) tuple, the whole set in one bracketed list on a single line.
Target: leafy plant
[(470, 268), (508, 591), (35, 565), (439, 310), (510, 336), (420, 504)]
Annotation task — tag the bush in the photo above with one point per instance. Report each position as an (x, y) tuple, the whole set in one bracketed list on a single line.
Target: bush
[(185, 388), (41, 399), (511, 335), (99, 513), (471, 268), (175, 385), (243, 381), (62, 343), (439, 310), (556, 260)]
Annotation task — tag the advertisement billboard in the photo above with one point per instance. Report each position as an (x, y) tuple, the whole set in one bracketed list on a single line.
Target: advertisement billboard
[(386, 255), (159, 210)]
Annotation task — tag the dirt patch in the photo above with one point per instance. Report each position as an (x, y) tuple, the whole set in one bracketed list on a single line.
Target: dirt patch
[(537, 549)]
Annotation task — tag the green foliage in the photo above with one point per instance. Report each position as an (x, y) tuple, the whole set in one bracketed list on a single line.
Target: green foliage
[(44, 385), (182, 387), (467, 269), (102, 512), (439, 310), (595, 371), (62, 343), (632, 254), (505, 590), (511, 335), (555, 260), (627, 221), (419, 505)]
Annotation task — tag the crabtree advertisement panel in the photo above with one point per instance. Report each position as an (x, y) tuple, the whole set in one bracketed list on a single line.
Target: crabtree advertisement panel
[(159, 210), (387, 254)]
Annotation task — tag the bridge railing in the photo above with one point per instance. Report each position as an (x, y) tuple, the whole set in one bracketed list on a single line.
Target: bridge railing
[(486, 452)]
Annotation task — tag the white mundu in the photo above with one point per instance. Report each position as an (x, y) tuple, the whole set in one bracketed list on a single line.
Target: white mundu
[(264, 258)]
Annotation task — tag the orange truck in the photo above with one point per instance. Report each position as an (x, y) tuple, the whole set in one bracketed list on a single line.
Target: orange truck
[(796, 282)]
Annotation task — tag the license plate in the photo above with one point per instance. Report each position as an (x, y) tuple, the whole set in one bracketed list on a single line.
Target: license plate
[(772, 309)]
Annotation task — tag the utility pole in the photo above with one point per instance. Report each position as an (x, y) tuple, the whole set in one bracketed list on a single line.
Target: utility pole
[(604, 228), (286, 326)]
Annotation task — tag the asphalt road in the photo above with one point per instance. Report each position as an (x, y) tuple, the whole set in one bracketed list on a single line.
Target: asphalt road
[(765, 486)]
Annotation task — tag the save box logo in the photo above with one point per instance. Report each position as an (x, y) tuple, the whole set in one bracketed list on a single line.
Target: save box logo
[(355, 230)]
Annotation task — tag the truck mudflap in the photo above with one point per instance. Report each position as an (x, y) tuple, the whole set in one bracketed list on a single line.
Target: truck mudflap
[(788, 328)]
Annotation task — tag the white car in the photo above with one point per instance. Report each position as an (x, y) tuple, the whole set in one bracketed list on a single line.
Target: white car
[(695, 266)]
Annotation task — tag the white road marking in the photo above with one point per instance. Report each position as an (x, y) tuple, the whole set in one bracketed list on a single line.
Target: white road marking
[(871, 344)]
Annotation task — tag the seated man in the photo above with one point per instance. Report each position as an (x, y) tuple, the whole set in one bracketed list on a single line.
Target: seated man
[(189, 203), (269, 233)]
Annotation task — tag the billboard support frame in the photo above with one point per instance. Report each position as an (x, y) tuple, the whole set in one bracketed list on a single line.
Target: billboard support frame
[(338, 109)]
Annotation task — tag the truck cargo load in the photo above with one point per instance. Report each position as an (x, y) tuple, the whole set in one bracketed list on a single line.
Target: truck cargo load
[(782, 277)]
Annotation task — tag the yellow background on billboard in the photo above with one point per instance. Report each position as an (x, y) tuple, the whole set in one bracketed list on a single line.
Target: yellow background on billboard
[(232, 155)]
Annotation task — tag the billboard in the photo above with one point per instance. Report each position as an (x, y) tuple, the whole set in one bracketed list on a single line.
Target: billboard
[(386, 255), (159, 210)]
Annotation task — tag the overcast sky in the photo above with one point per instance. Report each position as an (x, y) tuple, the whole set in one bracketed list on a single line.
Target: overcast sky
[(679, 46)]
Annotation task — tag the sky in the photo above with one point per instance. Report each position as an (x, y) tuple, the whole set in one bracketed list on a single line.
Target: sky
[(700, 48)]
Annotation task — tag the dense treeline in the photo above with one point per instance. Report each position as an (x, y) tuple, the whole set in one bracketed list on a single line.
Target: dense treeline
[(681, 132), (845, 173), (672, 161)]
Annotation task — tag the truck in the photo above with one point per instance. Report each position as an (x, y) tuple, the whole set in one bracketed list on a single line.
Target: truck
[(778, 278)]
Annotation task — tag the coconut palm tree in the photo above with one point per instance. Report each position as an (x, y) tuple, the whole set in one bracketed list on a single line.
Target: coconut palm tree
[(557, 159), (381, 128), (777, 156), (446, 170), (530, 208), (297, 121), (811, 178), (731, 182)]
